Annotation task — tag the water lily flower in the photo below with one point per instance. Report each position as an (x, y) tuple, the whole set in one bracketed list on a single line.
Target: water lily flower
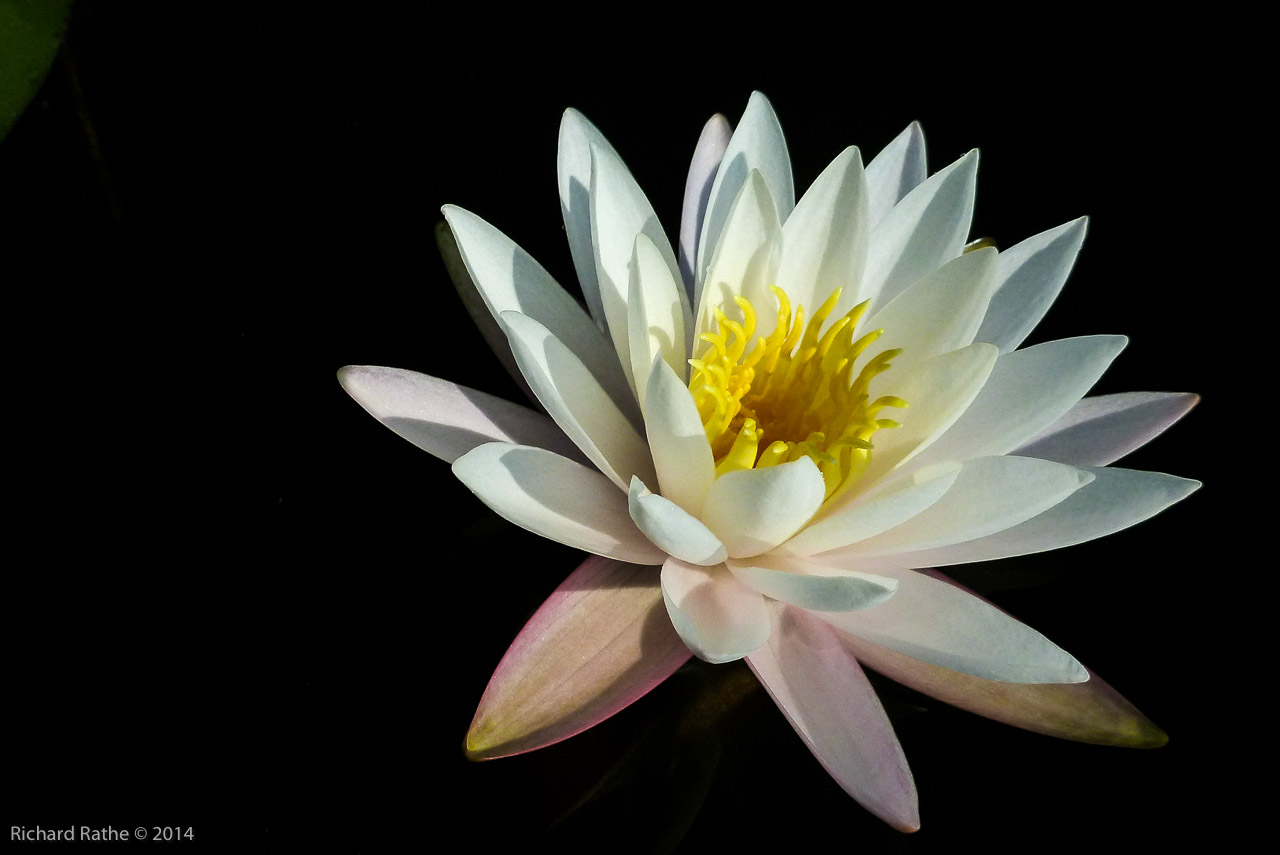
[(764, 434)]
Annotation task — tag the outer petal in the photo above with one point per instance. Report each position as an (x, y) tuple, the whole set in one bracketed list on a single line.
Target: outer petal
[(681, 453), (895, 171), (556, 498), (718, 617), (578, 404), (945, 626), (813, 586), (826, 697), (673, 529), (824, 241), (1100, 430), (1027, 390), (573, 167), (1114, 500), (924, 230), (711, 146), (619, 212), (600, 642), (510, 280), (1091, 711), (990, 494), (446, 419), (1029, 278), (753, 510), (757, 144)]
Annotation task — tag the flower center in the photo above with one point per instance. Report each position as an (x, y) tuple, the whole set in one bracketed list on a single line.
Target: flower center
[(795, 394)]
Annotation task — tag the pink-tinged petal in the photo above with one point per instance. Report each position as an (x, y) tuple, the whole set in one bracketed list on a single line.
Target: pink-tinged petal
[(599, 643), (1100, 430), (1091, 711), (824, 694), (445, 419), (719, 618), (707, 154), (556, 498)]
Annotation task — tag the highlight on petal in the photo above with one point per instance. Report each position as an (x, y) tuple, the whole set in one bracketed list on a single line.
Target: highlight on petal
[(753, 510), (599, 643), (707, 154), (927, 228), (893, 173), (1090, 711), (673, 529), (681, 454), (719, 618), (810, 585), (576, 402), (945, 626), (445, 419), (657, 316), (757, 144), (510, 280), (1027, 390), (828, 700), (1030, 276), (1113, 501), (556, 498), (1100, 430)]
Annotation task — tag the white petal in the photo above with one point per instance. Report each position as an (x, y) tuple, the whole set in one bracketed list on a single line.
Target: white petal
[(1101, 430), (619, 212), (711, 146), (895, 171), (924, 230), (825, 695), (990, 494), (673, 529), (937, 391), (446, 419), (577, 403), (1114, 500), (824, 241), (510, 280), (717, 616), (657, 316), (753, 510), (1029, 278), (681, 454), (745, 262), (573, 166), (1028, 390), (557, 499), (757, 144), (864, 519), (809, 585), (942, 625), (940, 312)]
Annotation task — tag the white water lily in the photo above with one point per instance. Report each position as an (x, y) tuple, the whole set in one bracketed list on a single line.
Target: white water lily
[(761, 439)]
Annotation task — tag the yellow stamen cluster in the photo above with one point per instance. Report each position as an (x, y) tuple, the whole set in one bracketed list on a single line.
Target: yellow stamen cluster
[(794, 394)]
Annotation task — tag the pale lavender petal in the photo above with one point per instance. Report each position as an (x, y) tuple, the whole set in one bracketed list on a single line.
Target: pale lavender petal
[(1100, 430), (445, 419), (712, 143), (599, 643), (824, 694)]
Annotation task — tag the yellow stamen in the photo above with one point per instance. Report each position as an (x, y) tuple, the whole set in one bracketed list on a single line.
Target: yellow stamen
[(800, 391)]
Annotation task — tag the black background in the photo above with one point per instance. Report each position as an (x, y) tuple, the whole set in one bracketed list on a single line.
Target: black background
[(238, 604)]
